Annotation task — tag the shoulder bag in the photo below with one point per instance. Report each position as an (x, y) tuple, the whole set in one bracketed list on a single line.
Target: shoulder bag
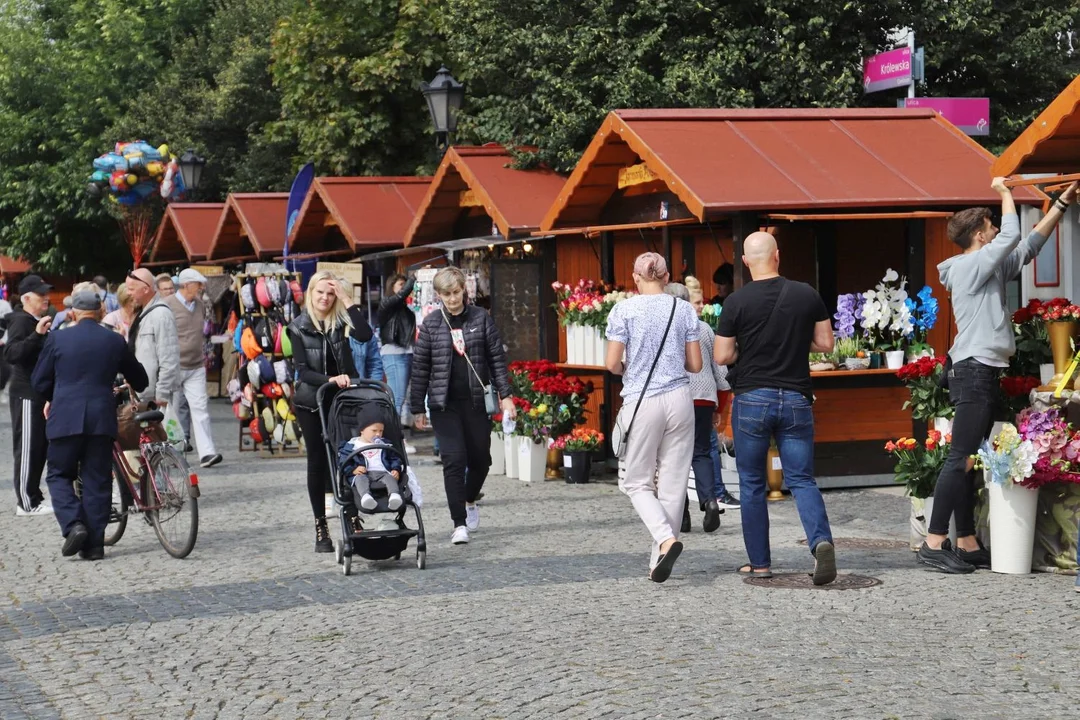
[(619, 435), (491, 396)]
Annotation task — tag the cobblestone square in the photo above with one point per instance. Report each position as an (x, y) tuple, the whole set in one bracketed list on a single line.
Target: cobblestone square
[(546, 614)]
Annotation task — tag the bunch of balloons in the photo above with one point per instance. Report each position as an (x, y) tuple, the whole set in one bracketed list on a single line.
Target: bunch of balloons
[(134, 171)]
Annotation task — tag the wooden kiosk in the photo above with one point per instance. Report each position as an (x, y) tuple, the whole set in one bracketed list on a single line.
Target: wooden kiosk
[(848, 194), (252, 227), (185, 234)]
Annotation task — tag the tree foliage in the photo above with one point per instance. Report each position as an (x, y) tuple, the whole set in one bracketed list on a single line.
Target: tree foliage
[(261, 86)]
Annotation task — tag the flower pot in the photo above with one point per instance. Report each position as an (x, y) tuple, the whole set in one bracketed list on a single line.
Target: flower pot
[(553, 469), (1046, 373), (1012, 527), (577, 464), (1061, 335), (876, 360), (510, 455), (498, 455), (894, 359), (928, 512), (532, 460), (575, 351), (943, 425), (600, 347)]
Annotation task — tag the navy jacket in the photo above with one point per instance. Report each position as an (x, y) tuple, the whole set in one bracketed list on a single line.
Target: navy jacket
[(390, 458), (76, 371)]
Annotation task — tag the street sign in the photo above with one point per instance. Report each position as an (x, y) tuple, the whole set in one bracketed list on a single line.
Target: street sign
[(887, 70), (972, 115)]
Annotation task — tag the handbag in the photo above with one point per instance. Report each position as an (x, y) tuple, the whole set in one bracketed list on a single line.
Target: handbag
[(128, 432), (491, 396), (619, 435)]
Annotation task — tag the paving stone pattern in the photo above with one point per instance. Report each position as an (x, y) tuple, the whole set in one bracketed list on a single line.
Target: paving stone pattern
[(546, 614)]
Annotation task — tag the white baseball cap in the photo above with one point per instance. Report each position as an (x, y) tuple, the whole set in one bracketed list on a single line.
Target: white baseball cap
[(190, 275)]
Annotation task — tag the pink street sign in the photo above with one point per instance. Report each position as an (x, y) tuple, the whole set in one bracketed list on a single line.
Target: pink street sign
[(887, 70), (972, 115)]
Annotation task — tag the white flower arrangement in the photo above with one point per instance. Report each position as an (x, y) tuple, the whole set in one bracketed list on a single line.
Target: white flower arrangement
[(886, 316)]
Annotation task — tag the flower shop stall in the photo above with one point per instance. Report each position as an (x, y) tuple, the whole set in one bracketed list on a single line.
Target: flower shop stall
[(867, 190)]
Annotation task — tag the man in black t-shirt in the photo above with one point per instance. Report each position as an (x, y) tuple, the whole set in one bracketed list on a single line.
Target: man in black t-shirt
[(767, 330)]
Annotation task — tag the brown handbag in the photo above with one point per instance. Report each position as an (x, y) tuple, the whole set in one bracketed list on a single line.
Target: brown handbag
[(128, 431)]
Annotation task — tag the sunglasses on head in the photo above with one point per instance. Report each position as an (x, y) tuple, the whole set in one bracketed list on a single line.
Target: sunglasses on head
[(133, 276)]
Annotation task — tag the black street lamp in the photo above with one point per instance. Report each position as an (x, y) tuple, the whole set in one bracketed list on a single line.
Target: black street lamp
[(191, 170), (444, 97)]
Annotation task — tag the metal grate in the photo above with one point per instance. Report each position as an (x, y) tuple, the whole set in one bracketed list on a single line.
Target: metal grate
[(866, 544), (802, 581)]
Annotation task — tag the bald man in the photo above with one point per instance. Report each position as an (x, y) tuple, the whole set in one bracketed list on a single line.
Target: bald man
[(153, 337), (766, 332)]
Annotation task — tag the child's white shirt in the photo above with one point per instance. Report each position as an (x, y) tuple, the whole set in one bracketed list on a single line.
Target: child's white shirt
[(372, 456)]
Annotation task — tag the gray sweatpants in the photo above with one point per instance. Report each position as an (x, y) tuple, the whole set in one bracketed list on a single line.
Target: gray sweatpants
[(658, 453)]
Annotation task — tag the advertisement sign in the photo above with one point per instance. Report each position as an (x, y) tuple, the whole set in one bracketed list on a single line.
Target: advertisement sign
[(887, 70), (297, 193), (972, 115)]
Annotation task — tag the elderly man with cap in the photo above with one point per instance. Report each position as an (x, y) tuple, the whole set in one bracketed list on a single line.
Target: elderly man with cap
[(75, 373), (152, 337), (27, 326), (189, 310)]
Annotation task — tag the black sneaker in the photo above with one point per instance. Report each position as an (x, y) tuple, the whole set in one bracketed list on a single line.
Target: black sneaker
[(727, 500), (94, 553), (685, 518), (979, 558), (944, 560), (712, 517), (210, 460), (74, 540), (323, 543)]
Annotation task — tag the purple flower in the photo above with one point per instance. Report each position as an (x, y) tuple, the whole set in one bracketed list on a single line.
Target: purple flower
[(845, 315)]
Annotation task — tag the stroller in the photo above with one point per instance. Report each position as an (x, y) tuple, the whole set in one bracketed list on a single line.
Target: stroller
[(339, 413)]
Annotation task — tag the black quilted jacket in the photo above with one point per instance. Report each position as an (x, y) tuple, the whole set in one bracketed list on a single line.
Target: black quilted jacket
[(433, 357)]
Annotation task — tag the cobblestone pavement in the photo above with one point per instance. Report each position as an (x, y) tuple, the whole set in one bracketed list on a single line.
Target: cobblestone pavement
[(546, 614)]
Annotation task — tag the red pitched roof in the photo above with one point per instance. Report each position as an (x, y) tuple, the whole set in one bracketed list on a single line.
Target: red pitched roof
[(368, 212), (718, 162), (252, 226), (13, 266), (1051, 144), (514, 200), (185, 232)]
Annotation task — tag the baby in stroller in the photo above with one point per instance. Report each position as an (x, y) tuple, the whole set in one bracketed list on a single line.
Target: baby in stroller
[(374, 466)]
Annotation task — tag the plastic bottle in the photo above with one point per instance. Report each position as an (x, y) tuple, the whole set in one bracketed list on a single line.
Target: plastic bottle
[(508, 426)]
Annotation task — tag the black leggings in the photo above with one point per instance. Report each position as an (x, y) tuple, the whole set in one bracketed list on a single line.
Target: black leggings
[(318, 467), (464, 435), (701, 462)]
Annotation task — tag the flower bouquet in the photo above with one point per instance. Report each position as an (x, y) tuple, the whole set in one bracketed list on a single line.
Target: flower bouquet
[(885, 316), (583, 310), (1016, 392), (1009, 458), (1008, 463), (1057, 446), (923, 310), (928, 399), (710, 315), (919, 464), (1032, 341), (578, 447)]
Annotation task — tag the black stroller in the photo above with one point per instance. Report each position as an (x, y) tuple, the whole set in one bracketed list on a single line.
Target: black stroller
[(339, 413)]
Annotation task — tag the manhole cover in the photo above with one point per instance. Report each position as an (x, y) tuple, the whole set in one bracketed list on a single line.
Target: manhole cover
[(802, 581), (866, 544)]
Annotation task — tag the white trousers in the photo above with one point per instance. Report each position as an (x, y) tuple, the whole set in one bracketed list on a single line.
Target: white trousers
[(658, 453), (193, 387)]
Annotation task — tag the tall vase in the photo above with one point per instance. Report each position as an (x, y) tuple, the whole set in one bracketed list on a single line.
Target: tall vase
[(601, 347), (554, 469), (943, 425), (510, 455), (1061, 335), (774, 474), (1012, 527), (572, 357), (498, 455), (532, 460)]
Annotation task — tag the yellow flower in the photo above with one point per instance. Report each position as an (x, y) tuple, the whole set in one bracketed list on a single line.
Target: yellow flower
[(542, 407)]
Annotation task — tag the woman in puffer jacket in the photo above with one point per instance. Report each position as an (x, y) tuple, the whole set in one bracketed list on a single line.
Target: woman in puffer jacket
[(457, 353)]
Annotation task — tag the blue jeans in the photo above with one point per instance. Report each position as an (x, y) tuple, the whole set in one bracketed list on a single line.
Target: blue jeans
[(759, 416), (397, 369)]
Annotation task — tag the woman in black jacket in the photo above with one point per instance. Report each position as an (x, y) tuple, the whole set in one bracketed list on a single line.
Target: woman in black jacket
[(397, 331), (457, 353), (321, 353)]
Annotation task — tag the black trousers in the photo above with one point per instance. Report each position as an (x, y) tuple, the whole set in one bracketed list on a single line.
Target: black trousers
[(30, 447), (704, 475), (318, 467), (89, 458), (973, 390), (464, 435)]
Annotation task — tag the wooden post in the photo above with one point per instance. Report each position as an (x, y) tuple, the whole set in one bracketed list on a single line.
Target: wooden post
[(607, 256), (689, 252), (742, 225), (915, 234), (665, 239)]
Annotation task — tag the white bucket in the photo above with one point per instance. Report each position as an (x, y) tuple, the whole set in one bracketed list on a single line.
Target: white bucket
[(894, 359), (510, 455), (498, 455), (1012, 527), (943, 425)]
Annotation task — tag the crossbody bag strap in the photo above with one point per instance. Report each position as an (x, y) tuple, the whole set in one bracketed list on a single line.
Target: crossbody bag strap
[(659, 352), (466, 353)]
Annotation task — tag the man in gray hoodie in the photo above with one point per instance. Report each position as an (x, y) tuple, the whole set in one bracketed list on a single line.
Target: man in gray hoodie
[(984, 343)]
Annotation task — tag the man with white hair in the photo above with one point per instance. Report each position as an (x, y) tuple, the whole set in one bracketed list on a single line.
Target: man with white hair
[(153, 338), (189, 311), (27, 327)]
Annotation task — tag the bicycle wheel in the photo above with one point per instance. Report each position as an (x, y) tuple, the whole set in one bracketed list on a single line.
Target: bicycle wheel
[(118, 513), (176, 522)]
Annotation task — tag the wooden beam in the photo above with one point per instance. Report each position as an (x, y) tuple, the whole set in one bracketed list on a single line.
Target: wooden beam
[(607, 256), (917, 214), (665, 239), (1058, 179), (743, 224)]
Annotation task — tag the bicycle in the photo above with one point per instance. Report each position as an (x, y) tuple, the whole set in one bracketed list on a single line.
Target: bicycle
[(161, 486)]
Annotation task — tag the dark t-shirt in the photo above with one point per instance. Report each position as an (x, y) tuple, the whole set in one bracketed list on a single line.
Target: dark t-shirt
[(459, 366), (772, 355)]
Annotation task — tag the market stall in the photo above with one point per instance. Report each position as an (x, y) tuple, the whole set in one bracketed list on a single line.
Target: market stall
[(849, 194), (185, 234), (251, 227)]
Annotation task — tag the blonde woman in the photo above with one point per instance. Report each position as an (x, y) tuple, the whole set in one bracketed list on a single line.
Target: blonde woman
[(120, 319), (659, 335), (320, 341), (457, 353)]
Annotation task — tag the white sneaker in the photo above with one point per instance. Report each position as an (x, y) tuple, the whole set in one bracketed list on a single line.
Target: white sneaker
[(460, 536), (410, 450), (394, 502), (472, 516), (368, 502), (42, 509)]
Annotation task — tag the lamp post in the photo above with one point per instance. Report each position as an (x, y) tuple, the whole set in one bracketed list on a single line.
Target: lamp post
[(444, 96), (191, 170)]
